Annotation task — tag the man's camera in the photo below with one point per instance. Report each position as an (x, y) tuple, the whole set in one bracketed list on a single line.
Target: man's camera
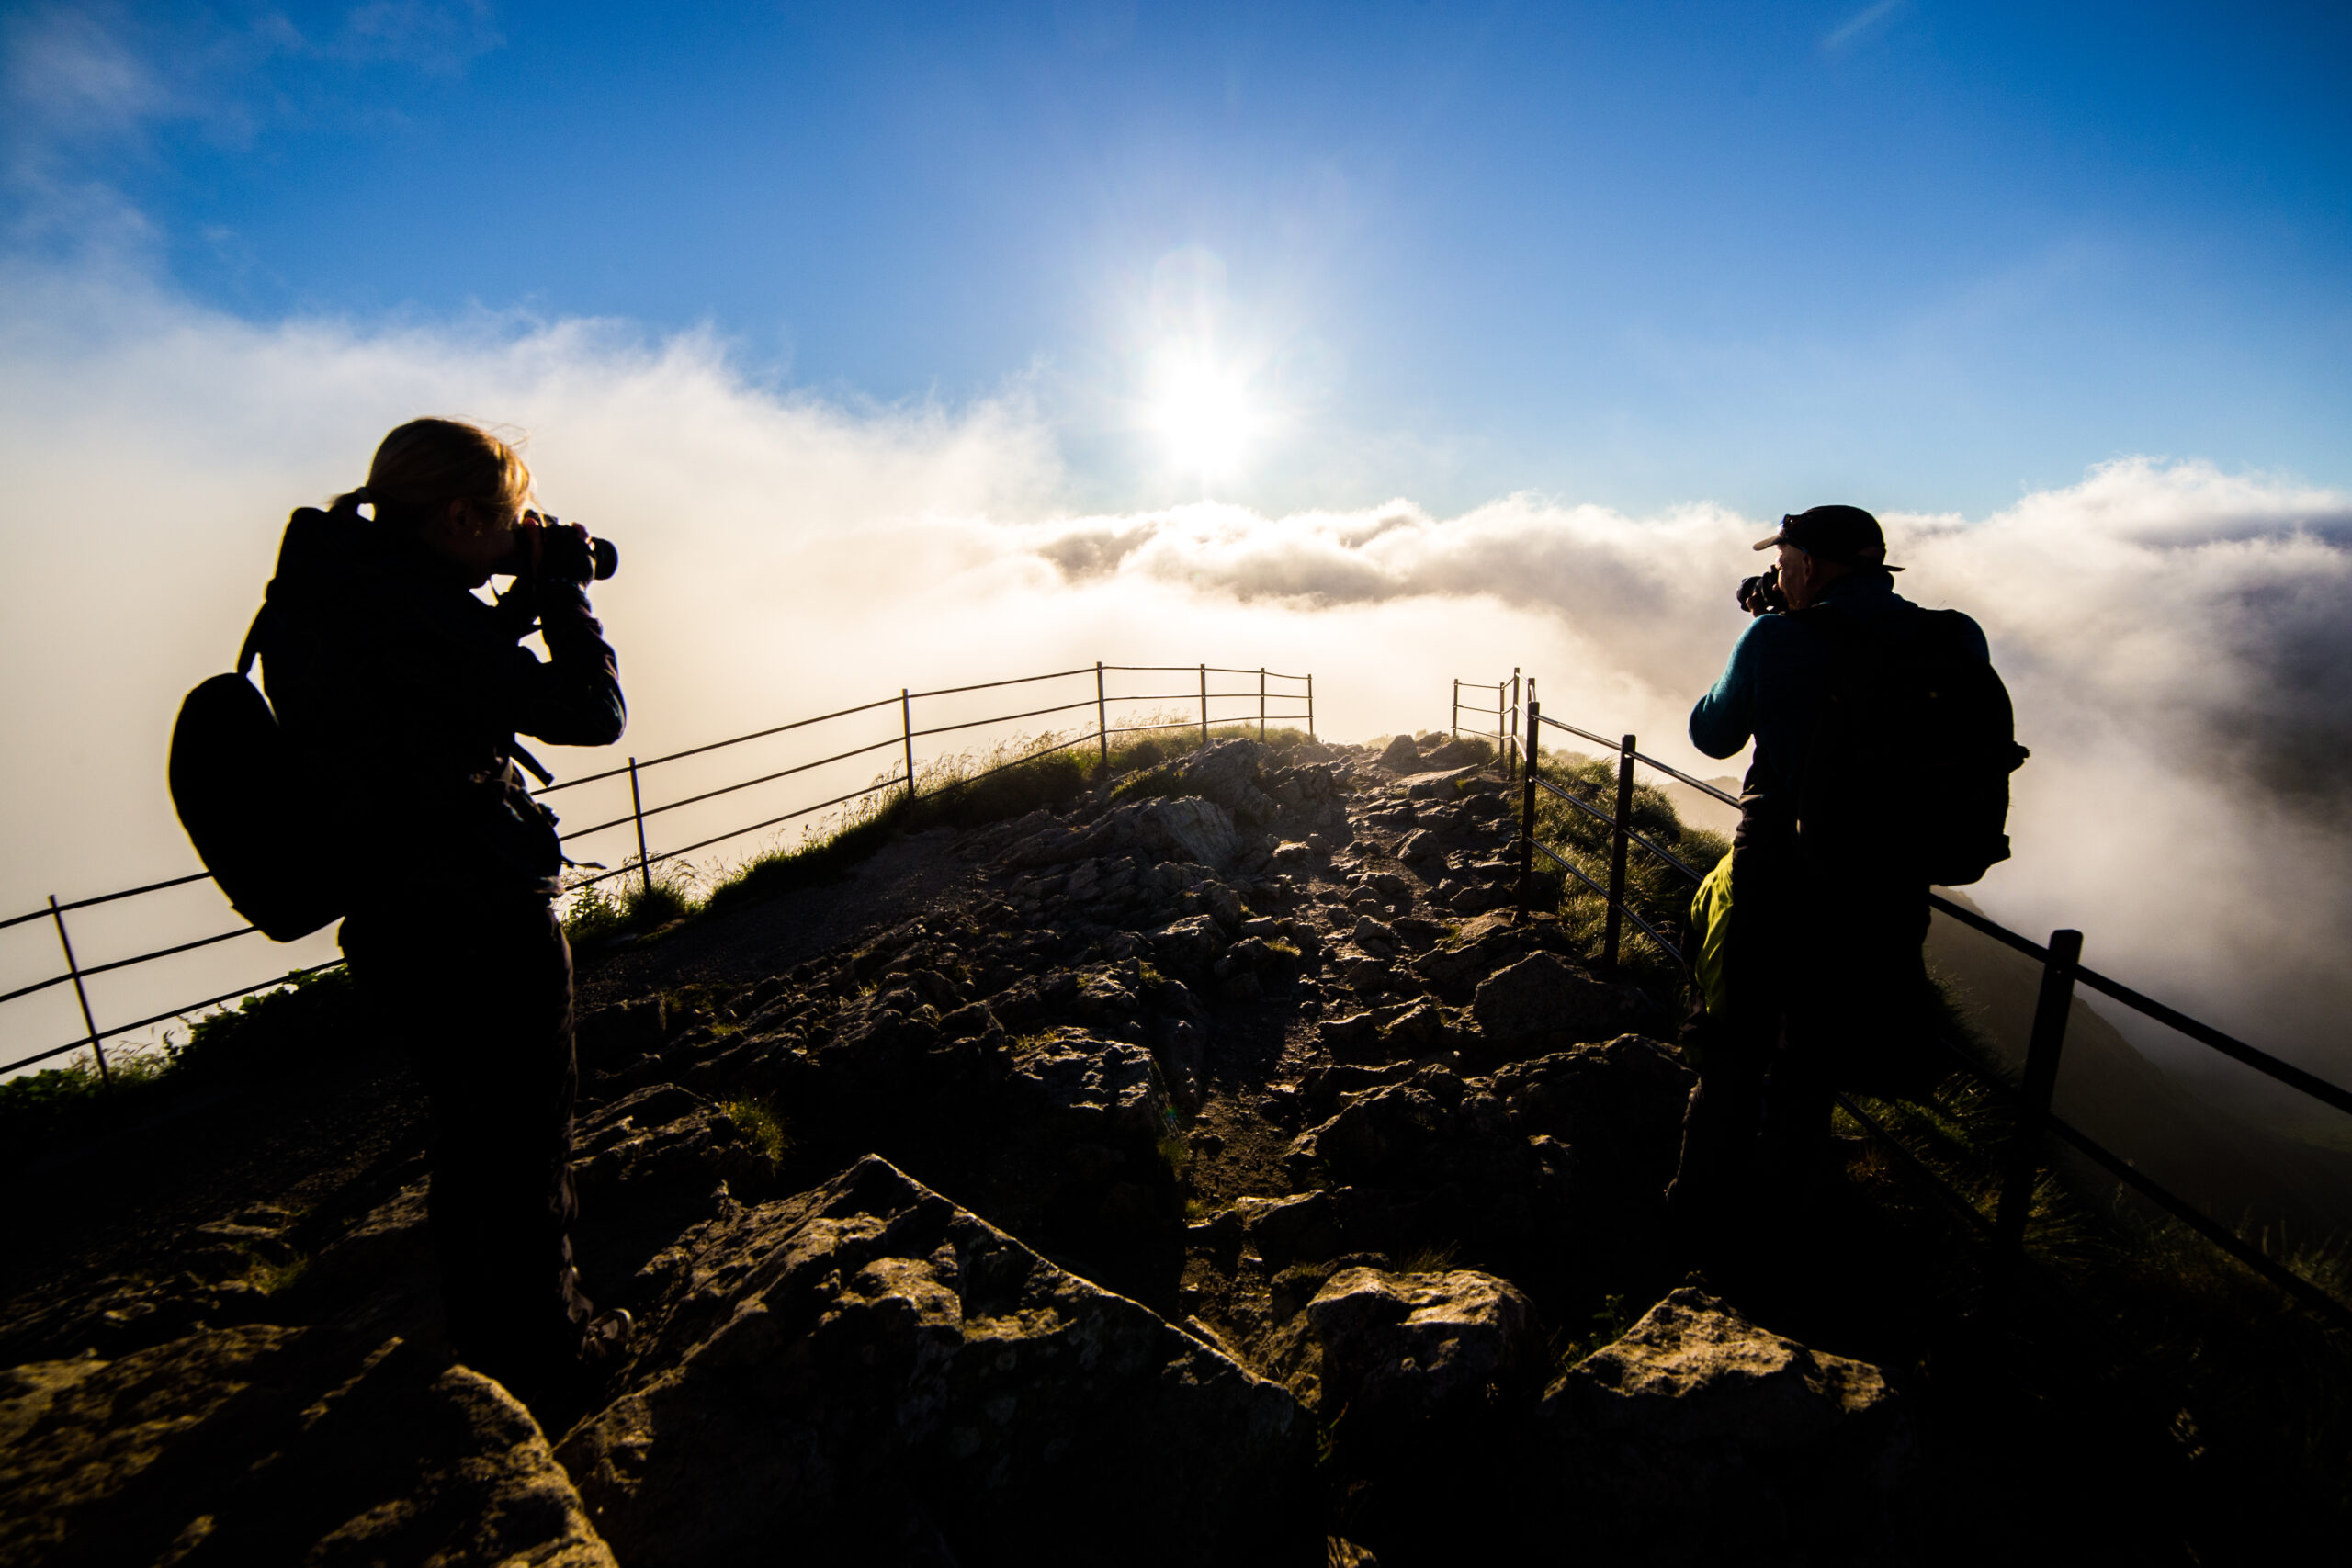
[(542, 546), (1761, 595)]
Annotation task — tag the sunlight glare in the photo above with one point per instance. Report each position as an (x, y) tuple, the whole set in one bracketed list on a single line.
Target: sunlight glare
[(1203, 413)]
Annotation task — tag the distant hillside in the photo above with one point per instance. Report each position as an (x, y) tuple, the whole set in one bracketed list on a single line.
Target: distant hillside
[(1701, 810), (2116, 1095)]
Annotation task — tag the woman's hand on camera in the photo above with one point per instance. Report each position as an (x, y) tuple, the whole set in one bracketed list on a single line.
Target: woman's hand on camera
[(560, 550)]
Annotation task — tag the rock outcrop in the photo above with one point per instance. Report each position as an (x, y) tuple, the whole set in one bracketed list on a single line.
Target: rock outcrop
[(1402, 1349), (868, 1359), (1699, 1438), (263, 1444)]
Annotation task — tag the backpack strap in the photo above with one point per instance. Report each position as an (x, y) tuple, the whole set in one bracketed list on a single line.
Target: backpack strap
[(531, 764), (256, 638)]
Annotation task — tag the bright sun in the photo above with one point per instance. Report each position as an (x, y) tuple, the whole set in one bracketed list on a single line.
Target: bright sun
[(1203, 413)]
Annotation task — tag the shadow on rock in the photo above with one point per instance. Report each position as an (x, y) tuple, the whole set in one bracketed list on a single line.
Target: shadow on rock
[(870, 1358)]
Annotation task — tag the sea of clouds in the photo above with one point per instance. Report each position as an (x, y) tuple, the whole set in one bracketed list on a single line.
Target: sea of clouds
[(2178, 640)]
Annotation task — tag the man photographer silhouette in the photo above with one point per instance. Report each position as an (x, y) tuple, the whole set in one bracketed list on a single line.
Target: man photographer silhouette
[(1874, 724)]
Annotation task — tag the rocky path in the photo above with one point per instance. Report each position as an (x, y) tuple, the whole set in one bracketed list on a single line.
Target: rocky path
[(1209, 1172)]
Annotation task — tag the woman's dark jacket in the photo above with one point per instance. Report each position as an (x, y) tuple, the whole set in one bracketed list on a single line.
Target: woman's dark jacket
[(409, 690)]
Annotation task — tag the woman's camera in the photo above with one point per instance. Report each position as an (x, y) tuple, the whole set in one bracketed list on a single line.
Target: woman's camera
[(1761, 595), (541, 544)]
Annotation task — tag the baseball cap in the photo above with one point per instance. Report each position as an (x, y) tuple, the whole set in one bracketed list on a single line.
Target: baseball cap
[(1847, 535)]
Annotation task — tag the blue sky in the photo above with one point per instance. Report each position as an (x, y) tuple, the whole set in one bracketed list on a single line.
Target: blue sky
[(1922, 255)]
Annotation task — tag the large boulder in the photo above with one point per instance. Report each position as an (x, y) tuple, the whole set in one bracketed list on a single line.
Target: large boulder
[(1106, 1091), (1309, 797), (1456, 971), (1185, 828), (868, 1369), (1619, 1103), (1401, 756), (1404, 1348), (1190, 945), (1700, 1438), (1227, 772), (1311, 1228), (263, 1444), (1543, 1002), (1378, 1131)]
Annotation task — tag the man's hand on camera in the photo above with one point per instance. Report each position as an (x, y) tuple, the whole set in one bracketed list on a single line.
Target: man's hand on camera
[(1761, 595)]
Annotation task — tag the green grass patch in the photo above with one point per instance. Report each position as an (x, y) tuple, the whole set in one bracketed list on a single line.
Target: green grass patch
[(269, 1031), (761, 1126), (630, 904), (271, 1278), (1655, 890), (1603, 1328)]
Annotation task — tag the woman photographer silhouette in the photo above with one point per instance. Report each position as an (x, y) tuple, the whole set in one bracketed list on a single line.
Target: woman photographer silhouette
[(409, 690)]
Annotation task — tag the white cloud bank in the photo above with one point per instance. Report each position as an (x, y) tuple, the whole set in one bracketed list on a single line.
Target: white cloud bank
[(2176, 638)]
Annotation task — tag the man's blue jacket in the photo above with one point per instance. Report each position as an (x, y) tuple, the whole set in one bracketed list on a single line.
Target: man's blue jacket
[(1771, 689)]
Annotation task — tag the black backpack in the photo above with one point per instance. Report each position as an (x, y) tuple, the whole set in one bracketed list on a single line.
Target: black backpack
[(1907, 777), (250, 802)]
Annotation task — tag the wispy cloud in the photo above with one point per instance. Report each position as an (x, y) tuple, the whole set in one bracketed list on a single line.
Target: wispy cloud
[(441, 39), (68, 72), (1858, 26)]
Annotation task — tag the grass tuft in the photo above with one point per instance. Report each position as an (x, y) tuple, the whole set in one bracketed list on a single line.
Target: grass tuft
[(762, 1127), (629, 905), (1602, 1329), (1656, 891), (271, 1278)]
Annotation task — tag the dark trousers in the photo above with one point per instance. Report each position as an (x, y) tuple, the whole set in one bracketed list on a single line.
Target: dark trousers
[(1825, 984), (477, 991)]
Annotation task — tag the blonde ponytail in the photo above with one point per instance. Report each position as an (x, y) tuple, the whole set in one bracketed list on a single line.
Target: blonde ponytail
[(427, 463)]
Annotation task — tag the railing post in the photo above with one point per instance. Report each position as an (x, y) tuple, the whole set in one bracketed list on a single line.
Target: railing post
[(1502, 730), (1454, 722), (907, 732), (1102, 719), (1262, 704), (97, 1047), (637, 810), (1205, 704), (1617, 844), (1514, 726), (1527, 815), (2050, 1008), (1310, 705)]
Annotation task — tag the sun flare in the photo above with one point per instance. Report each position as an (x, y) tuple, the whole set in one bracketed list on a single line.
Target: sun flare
[(1204, 414)]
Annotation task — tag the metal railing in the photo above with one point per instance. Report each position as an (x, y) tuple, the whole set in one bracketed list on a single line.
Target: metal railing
[(1268, 689), (2061, 971), (1505, 713)]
